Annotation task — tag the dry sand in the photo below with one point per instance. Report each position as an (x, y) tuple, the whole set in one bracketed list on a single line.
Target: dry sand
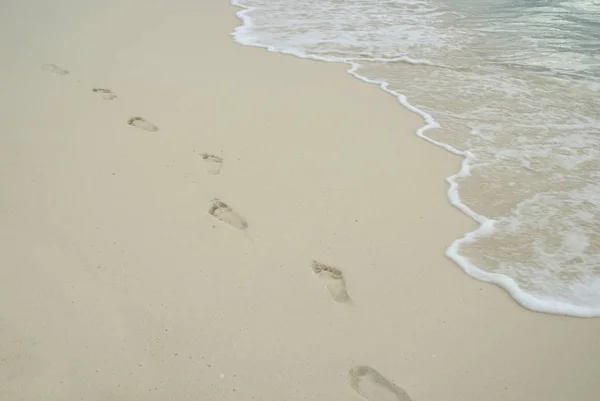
[(164, 192)]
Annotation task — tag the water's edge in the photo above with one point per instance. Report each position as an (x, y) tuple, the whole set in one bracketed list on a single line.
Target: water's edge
[(486, 226)]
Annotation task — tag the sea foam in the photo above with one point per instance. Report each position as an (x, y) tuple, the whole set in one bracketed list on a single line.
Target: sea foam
[(501, 109)]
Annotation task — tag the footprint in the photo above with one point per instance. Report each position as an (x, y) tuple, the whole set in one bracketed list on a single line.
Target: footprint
[(213, 163), (139, 122), (371, 384), (107, 94), (53, 68), (221, 211), (333, 280)]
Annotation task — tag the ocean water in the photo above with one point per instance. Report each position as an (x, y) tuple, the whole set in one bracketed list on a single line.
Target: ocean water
[(513, 86)]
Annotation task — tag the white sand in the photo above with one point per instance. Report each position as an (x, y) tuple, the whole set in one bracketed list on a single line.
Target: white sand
[(117, 284)]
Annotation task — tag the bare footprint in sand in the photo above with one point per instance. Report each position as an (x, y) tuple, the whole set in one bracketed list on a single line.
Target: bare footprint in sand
[(333, 280), (213, 163), (371, 384), (106, 94), (221, 211), (141, 123), (53, 68)]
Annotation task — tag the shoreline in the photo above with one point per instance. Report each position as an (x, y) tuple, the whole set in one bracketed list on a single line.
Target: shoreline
[(485, 224), (127, 281)]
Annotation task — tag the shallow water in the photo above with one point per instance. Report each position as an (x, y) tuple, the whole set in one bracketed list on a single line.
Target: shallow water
[(514, 87)]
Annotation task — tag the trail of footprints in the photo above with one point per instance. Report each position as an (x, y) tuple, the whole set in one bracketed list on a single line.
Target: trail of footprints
[(332, 279), (142, 123), (106, 94), (213, 163), (373, 386), (221, 211), (364, 380)]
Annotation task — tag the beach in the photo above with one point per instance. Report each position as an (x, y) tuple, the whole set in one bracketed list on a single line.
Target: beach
[(165, 192)]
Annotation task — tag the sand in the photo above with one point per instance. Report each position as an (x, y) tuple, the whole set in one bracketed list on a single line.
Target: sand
[(124, 129)]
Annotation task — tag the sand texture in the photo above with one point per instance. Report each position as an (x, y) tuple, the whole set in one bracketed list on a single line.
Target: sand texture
[(186, 218)]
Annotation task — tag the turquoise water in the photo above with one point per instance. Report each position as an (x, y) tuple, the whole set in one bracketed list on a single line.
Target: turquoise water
[(514, 88)]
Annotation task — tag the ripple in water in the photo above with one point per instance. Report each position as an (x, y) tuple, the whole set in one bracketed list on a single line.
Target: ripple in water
[(511, 85)]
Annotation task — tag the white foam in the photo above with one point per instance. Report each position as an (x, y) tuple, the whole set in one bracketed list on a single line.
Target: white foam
[(573, 245), (243, 35)]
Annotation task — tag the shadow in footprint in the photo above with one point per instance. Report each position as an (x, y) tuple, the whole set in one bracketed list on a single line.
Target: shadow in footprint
[(106, 94), (221, 211), (213, 163), (141, 123), (333, 279), (54, 69), (371, 384)]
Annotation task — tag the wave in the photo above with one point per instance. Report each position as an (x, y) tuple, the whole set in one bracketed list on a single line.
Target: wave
[(246, 34)]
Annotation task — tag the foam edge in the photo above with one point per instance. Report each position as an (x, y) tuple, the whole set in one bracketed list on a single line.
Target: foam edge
[(486, 226)]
